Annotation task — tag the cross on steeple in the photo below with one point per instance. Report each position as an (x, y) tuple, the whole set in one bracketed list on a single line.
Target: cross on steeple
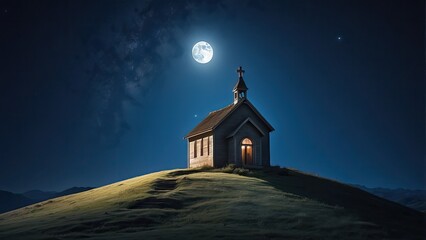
[(240, 72), (240, 89)]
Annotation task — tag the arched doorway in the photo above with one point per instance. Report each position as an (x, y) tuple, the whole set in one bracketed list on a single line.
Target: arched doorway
[(247, 152)]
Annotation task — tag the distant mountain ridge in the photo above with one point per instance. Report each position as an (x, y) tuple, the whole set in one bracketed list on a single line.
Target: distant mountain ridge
[(72, 191), (10, 201), (415, 199), (39, 195)]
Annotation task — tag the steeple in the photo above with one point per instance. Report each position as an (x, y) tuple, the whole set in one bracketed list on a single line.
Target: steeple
[(240, 89)]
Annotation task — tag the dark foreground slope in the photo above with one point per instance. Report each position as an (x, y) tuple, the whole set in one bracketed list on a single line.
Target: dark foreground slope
[(196, 204)]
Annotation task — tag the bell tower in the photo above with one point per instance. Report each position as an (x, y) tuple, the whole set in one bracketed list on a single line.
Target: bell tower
[(240, 89)]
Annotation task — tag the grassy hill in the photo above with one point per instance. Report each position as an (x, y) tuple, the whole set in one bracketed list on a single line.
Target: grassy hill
[(217, 204)]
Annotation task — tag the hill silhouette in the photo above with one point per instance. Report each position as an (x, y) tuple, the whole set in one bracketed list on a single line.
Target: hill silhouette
[(11, 201), (415, 199), (217, 203), (72, 191), (38, 195)]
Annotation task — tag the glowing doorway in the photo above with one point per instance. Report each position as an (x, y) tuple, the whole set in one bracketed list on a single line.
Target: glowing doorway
[(247, 151)]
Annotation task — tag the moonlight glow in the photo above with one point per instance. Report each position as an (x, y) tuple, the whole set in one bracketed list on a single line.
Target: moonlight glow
[(202, 52)]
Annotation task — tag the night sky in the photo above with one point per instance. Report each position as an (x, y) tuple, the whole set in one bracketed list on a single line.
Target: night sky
[(92, 92)]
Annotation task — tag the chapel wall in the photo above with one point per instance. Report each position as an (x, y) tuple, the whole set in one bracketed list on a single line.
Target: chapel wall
[(200, 151), (226, 152)]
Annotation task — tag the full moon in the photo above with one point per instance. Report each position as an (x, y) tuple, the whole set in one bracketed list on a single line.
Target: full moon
[(202, 52)]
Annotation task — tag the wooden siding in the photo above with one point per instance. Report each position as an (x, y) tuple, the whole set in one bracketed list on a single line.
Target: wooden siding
[(204, 156)]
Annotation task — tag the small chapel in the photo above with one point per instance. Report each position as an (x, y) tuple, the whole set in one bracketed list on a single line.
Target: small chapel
[(236, 134)]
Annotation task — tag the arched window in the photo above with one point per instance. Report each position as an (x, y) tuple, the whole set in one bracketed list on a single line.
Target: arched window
[(247, 151)]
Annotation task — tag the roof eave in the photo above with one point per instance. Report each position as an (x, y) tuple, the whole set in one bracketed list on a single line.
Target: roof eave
[(196, 134)]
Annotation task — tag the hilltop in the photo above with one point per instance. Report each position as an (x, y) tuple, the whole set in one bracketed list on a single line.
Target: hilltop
[(217, 203)]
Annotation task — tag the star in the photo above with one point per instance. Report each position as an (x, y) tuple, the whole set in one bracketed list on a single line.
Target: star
[(339, 38), (195, 115)]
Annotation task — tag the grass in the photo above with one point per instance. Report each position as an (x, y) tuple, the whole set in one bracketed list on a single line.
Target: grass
[(228, 203)]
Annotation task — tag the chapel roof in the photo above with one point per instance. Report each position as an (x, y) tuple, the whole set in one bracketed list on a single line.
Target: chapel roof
[(216, 117), (211, 121)]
